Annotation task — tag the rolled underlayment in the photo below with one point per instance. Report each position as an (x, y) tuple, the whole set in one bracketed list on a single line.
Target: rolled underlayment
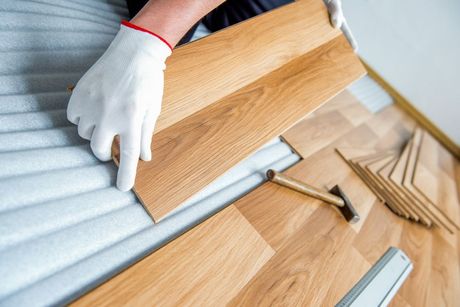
[(64, 227)]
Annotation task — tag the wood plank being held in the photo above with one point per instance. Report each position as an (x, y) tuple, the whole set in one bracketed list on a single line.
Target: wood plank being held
[(200, 73), (256, 79), (195, 151)]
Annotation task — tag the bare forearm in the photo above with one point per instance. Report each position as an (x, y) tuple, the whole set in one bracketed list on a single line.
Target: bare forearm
[(171, 19)]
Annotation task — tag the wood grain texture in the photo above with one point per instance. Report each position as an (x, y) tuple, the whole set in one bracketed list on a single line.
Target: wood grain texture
[(206, 266), (381, 230), (407, 184), (328, 123), (397, 177), (277, 213), (432, 177), (304, 268), (348, 106), (195, 151), (321, 130), (384, 174), (399, 301), (445, 274), (202, 72), (320, 255), (348, 153), (416, 241), (370, 167), (348, 274)]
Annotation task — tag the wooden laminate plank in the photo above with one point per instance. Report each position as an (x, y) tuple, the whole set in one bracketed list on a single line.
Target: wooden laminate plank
[(300, 273), (195, 151), (384, 174), (385, 120), (348, 274), (395, 139), (203, 72), (381, 230), (369, 166), (360, 164), (206, 266), (320, 130), (408, 178), (347, 153), (348, 106), (397, 177), (278, 213), (416, 242), (431, 179), (399, 301), (445, 275), (446, 161), (316, 263), (425, 176), (374, 168)]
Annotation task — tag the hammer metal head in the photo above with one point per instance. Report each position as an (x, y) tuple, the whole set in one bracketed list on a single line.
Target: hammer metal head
[(347, 210)]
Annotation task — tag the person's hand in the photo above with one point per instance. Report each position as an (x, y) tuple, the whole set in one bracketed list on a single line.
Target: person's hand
[(121, 95), (338, 21)]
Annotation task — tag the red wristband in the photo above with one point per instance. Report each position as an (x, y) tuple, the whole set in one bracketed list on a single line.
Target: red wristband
[(133, 26)]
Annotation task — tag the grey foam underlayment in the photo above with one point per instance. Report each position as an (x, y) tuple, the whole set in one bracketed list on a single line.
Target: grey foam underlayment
[(64, 227), (370, 94)]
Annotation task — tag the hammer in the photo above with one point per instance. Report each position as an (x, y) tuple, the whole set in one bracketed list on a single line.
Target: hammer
[(335, 196)]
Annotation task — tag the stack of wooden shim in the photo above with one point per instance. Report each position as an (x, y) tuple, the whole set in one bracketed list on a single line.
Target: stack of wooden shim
[(231, 92), (417, 182)]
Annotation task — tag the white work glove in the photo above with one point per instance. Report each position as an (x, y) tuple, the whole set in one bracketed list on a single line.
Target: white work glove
[(121, 95), (338, 21)]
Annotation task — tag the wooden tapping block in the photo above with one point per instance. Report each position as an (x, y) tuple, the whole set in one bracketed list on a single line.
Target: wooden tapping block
[(397, 177), (429, 178), (195, 151), (210, 263), (202, 72)]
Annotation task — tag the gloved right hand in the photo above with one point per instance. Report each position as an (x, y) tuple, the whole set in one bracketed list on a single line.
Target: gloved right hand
[(121, 95), (338, 21)]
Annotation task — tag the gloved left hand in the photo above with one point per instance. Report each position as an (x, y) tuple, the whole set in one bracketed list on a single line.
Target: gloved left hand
[(338, 21), (121, 95)]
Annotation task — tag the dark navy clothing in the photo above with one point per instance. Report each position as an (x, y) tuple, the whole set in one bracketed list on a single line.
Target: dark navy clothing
[(226, 14)]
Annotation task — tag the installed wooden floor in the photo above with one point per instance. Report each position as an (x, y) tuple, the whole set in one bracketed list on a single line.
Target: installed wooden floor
[(277, 247)]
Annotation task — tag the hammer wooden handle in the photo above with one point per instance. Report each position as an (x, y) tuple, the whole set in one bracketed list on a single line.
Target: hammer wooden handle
[(304, 188)]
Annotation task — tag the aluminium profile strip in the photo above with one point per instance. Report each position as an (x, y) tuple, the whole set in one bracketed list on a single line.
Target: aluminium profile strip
[(381, 282)]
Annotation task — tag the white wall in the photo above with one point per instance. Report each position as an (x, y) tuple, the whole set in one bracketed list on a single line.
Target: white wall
[(415, 46)]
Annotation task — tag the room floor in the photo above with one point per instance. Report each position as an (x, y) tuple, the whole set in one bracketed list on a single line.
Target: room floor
[(278, 247)]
